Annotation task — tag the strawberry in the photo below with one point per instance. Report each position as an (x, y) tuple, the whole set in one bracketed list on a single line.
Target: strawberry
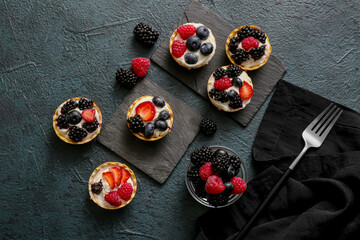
[(186, 31), (88, 115), (249, 43), (223, 83), (146, 111), (113, 198), (125, 175), (246, 91), (109, 177), (140, 66), (117, 175), (125, 191), (214, 185), (239, 185), (178, 48)]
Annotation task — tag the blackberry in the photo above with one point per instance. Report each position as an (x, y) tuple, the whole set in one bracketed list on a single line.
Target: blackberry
[(69, 105), (146, 34), (233, 71), (77, 134), (91, 127), (200, 189), (218, 199), (201, 156), (220, 163), (235, 162), (61, 121), (126, 78), (136, 124), (259, 35), (85, 104), (219, 73), (258, 52), (233, 45), (240, 56), (193, 175), (97, 187), (236, 102), (217, 95), (207, 126), (244, 32)]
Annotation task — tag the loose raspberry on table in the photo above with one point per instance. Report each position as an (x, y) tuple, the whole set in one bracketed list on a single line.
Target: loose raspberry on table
[(125, 191), (140, 66), (113, 198), (239, 185), (214, 185), (178, 48), (249, 43), (186, 31), (223, 83), (206, 171)]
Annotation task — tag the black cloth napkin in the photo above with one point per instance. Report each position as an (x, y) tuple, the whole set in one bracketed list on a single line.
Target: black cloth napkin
[(264, 79), (157, 159), (321, 200)]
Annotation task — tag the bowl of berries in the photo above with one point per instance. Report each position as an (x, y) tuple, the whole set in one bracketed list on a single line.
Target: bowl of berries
[(215, 176)]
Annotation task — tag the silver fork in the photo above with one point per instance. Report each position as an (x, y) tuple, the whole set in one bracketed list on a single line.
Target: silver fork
[(314, 135)]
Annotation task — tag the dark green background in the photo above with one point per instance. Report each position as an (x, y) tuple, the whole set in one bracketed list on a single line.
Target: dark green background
[(51, 51)]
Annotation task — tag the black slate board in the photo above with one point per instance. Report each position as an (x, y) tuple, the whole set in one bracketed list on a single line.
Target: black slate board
[(264, 79), (157, 159)]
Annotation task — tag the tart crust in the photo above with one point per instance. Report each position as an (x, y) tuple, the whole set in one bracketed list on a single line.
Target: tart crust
[(92, 176), (67, 140), (231, 35), (141, 136)]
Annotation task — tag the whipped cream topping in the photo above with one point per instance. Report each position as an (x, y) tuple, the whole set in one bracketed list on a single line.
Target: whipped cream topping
[(65, 131), (100, 198), (225, 106), (202, 59), (157, 132)]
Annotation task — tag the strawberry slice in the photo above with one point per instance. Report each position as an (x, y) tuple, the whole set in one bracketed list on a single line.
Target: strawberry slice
[(246, 91), (146, 110), (109, 177), (117, 175), (125, 175), (88, 115)]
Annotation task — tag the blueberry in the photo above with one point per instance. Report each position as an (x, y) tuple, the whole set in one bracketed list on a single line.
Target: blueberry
[(158, 101), (73, 117), (232, 94), (219, 152), (206, 48), (202, 32), (193, 43), (149, 130), (237, 82), (163, 115), (160, 124), (229, 187), (191, 58), (230, 172)]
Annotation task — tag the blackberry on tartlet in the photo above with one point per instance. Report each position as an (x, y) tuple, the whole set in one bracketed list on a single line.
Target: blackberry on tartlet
[(248, 47)]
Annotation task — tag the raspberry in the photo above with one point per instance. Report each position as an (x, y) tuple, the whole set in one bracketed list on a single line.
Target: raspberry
[(206, 171), (140, 66), (249, 42), (113, 198), (186, 31), (239, 185), (214, 185), (178, 48), (223, 83), (125, 191)]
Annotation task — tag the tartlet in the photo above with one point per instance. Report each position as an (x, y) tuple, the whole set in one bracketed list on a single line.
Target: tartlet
[(248, 47), (192, 45), (112, 185), (230, 88), (77, 120), (150, 118)]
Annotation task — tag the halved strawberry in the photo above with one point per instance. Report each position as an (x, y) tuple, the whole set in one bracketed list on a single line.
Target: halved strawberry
[(88, 115), (146, 110), (109, 177), (117, 175), (125, 175), (246, 91)]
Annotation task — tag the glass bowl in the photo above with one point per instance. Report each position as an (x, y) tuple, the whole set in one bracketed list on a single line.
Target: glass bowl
[(203, 200)]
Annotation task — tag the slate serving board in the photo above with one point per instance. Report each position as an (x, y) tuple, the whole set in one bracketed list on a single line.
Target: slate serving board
[(157, 159), (264, 79)]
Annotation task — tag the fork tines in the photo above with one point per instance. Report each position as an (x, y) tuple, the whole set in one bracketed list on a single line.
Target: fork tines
[(326, 120)]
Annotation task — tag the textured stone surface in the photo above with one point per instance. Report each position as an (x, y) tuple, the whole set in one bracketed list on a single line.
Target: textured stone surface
[(51, 51)]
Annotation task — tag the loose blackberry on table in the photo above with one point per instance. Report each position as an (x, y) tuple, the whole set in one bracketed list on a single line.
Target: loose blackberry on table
[(85, 104), (126, 78), (201, 156), (207, 126), (146, 34), (77, 134)]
